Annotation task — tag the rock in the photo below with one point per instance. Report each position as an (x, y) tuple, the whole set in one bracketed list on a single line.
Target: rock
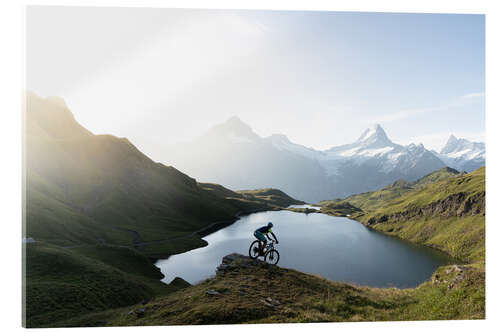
[(232, 257), (179, 283), (273, 302), (212, 292), (28, 240), (242, 260), (140, 312), (454, 268), (131, 312), (459, 277), (266, 303), (221, 269), (234, 261)]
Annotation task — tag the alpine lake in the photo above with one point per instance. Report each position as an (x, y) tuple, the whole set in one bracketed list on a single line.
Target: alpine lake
[(335, 248)]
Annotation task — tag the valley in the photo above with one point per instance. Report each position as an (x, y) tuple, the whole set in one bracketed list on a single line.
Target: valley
[(91, 197), (100, 213)]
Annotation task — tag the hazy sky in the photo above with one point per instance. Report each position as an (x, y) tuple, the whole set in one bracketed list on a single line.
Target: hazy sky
[(160, 76)]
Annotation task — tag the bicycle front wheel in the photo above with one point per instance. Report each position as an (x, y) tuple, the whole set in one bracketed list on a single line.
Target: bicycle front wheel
[(272, 257), (253, 251)]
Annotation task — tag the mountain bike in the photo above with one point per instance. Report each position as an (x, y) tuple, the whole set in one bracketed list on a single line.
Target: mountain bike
[(271, 255)]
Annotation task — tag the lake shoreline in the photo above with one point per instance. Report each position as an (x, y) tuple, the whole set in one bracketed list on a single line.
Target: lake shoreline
[(411, 246), (431, 246)]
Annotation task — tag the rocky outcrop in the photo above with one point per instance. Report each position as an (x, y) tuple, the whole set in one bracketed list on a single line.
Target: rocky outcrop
[(458, 204), (179, 283), (235, 260), (451, 276)]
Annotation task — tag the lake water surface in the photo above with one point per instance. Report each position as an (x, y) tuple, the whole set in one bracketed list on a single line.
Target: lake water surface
[(334, 247)]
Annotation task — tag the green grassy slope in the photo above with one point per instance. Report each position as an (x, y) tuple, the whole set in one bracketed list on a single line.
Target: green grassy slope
[(445, 210), (448, 214), (251, 293), (99, 209), (98, 206), (370, 200), (83, 188), (272, 196), (62, 283)]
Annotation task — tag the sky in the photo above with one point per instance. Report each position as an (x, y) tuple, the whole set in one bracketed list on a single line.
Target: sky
[(163, 76)]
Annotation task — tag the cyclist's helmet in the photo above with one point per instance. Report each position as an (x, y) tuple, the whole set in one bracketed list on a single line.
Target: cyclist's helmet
[(270, 225)]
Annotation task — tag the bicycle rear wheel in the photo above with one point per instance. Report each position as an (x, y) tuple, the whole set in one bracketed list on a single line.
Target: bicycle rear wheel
[(272, 257), (253, 251)]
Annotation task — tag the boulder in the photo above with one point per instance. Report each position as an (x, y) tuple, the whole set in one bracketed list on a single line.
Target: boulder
[(212, 292), (179, 283), (140, 312)]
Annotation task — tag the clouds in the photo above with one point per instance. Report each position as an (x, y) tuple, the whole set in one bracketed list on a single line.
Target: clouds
[(473, 95), (406, 114)]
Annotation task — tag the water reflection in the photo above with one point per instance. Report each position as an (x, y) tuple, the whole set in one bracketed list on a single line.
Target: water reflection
[(333, 247)]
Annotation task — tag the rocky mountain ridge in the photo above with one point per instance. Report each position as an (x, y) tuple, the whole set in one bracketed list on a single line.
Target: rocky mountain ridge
[(233, 155)]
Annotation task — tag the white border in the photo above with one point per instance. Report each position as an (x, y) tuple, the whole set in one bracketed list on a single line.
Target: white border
[(11, 76)]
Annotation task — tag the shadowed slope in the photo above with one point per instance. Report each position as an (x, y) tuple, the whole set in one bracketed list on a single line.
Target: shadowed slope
[(97, 208), (82, 187)]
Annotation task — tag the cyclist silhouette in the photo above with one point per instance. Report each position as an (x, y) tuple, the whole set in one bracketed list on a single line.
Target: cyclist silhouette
[(261, 235)]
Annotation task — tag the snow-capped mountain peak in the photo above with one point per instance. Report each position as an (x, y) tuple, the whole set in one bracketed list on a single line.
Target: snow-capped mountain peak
[(279, 138), (414, 147), (374, 137), (231, 149), (281, 142), (460, 147), (451, 145), (462, 154)]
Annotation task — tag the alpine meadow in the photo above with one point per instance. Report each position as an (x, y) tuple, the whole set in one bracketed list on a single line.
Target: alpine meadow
[(206, 166)]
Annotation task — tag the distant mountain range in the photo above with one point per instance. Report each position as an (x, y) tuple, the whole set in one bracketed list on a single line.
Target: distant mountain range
[(462, 154), (233, 155)]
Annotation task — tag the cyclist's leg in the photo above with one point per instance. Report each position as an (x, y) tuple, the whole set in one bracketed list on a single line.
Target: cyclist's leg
[(261, 239)]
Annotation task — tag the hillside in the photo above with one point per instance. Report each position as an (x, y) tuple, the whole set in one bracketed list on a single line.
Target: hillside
[(100, 206), (100, 212), (448, 215), (248, 291), (271, 196), (62, 283), (83, 188), (370, 200), (445, 210)]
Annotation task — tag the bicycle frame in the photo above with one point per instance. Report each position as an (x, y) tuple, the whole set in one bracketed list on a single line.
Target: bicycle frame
[(269, 246)]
